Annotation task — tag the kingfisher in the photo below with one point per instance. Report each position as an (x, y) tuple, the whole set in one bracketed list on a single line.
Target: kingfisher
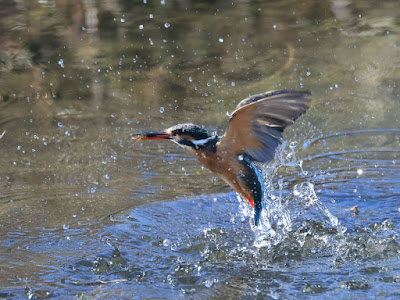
[(253, 134)]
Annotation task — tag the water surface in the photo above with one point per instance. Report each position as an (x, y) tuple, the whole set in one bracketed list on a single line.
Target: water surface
[(88, 213)]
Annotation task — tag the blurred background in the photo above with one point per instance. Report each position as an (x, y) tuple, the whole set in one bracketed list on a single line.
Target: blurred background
[(81, 202)]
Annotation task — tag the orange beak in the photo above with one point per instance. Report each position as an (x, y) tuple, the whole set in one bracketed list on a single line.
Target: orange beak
[(151, 135)]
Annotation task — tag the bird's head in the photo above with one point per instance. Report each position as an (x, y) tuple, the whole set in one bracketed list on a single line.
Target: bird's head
[(187, 135)]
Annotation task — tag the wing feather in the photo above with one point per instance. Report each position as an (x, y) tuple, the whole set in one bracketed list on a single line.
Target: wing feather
[(256, 126)]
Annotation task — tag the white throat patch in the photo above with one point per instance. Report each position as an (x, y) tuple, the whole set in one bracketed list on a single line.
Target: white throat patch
[(201, 142)]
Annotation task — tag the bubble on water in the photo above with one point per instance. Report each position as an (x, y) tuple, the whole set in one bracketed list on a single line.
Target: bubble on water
[(190, 79), (141, 27), (233, 83), (122, 20), (208, 283), (65, 226), (240, 157), (161, 109), (308, 73), (67, 133), (274, 26), (61, 63), (59, 124), (166, 243), (221, 40), (151, 16), (360, 171), (167, 25)]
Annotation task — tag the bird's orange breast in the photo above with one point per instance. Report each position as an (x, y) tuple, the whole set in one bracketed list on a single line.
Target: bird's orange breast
[(229, 169)]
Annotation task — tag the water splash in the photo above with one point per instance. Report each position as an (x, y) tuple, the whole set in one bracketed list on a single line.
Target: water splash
[(285, 209)]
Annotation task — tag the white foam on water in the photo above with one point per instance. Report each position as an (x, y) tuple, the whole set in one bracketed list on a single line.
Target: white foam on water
[(283, 204)]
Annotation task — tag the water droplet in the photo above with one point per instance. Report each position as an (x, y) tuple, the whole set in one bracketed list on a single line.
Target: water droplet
[(190, 79), (293, 145), (122, 20), (141, 27), (240, 157), (274, 26), (167, 25), (59, 124), (356, 79), (308, 73), (360, 171), (221, 40), (161, 109), (61, 63), (65, 226), (233, 83), (67, 133), (151, 16)]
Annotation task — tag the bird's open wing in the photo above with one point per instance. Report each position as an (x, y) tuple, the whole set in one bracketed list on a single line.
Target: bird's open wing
[(255, 128)]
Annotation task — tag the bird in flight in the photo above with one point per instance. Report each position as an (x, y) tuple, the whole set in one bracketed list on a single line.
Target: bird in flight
[(253, 134)]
